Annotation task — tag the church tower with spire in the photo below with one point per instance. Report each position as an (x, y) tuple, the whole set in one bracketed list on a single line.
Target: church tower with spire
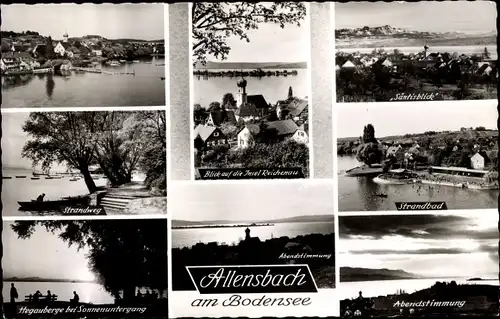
[(65, 37), (241, 96)]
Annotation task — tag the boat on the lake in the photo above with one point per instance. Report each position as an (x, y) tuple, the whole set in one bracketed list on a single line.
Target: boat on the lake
[(20, 176), (365, 170), (113, 63), (399, 176), (35, 178), (53, 177), (43, 70), (35, 205), (74, 179), (6, 177)]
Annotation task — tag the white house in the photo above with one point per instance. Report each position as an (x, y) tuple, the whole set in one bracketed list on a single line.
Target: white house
[(477, 161), (97, 52), (61, 48), (348, 65), (281, 130)]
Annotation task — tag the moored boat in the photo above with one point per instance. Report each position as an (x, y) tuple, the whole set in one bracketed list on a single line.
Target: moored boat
[(396, 176), (34, 205), (20, 176), (6, 177), (43, 71), (35, 178), (113, 63), (365, 170)]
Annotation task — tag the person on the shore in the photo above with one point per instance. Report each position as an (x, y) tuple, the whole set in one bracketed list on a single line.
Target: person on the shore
[(36, 296), (75, 299), (13, 293), (40, 197), (48, 298)]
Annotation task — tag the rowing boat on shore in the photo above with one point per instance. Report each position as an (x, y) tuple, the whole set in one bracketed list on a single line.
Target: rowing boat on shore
[(34, 205)]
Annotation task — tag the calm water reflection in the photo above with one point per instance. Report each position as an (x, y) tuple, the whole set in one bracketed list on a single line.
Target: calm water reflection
[(145, 88), (273, 88)]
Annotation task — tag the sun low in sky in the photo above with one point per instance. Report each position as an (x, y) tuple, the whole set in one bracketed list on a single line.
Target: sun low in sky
[(43, 255)]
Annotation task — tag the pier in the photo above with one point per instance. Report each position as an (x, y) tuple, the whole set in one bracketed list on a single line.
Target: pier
[(101, 71)]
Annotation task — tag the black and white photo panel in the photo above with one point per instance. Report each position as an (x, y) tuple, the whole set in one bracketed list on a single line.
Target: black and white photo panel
[(418, 265), (417, 156), (415, 51), (85, 268), (83, 55), (250, 90), (255, 250), (84, 163)]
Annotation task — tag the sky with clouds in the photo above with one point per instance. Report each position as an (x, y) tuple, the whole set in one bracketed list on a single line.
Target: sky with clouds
[(430, 246)]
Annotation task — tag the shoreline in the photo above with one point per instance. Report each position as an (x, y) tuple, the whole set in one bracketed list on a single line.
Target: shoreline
[(221, 226)]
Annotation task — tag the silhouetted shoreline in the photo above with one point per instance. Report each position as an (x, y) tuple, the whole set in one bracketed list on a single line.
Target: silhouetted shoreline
[(253, 251)]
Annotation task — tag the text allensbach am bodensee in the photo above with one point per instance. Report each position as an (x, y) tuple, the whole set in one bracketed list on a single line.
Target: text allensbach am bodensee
[(231, 279)]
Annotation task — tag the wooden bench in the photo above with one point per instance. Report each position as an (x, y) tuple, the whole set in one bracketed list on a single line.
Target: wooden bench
[(42, 298)]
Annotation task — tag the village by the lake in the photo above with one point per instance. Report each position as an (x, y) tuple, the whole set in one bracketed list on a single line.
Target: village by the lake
[(457, 166), (252, 110), (47, 65), (382, 57)]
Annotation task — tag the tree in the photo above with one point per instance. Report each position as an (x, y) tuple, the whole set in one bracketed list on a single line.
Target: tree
[(213, 23), (228, 101), (146, 132), (62, 137), (49, 49), (116, 141), (369, 134), (214, 106), (369, 153), (199, 114), (229, 130), (123, 254)]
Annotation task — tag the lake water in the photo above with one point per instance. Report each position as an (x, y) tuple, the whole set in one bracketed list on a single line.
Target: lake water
[(349, 290), (469, 50), (145, 88), (233, 235), (25, 189), (273, 88), (88, 292), (358, 193)]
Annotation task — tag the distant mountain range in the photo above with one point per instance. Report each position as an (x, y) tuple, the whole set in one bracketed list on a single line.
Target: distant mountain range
[(391, 36), (367, 274), (38, 279), (250, 65), (296, 219)]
